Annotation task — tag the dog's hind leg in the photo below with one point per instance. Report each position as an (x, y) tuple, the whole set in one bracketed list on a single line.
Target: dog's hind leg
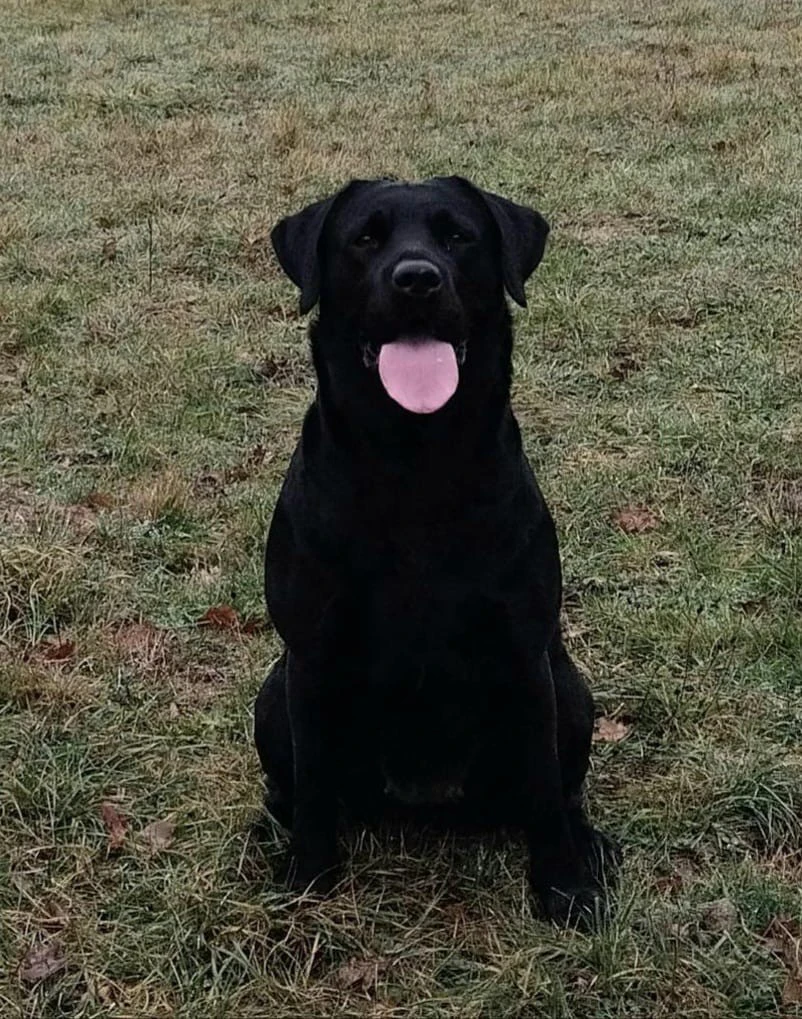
[(274, 742)]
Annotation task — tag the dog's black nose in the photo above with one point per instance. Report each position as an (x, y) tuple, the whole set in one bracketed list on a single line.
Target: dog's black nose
[(417, 277)]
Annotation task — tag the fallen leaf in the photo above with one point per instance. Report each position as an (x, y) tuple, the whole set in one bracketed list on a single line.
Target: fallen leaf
[(720, 916), (115, 824), (81, 519), (98, 501), (42, 961), (220, 617), (159, 835), (636, 519), (783, 937), (683, 873), (792, 988), (58, 651), (359, 974), (137, 638), (610, 730)]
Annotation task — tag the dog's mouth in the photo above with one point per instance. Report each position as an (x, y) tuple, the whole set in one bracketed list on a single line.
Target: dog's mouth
[(419, 373)]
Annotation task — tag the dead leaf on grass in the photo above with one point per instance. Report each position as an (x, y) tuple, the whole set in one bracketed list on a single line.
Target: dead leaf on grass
[(137, 638), (636, 519), (720, 916), (782, 936), (359, 974), (42, 961), (58, 651), (115, 824), (683, 872), (98, 501), (224, 617), (792, 989), (610, 730), (159, 835), (220, 617)]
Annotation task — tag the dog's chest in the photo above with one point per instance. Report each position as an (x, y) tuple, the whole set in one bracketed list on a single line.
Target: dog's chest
[(435, 642), (428, 721), (431, 674)]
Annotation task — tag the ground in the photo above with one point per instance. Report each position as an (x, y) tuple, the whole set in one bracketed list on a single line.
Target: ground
[(153, 375)]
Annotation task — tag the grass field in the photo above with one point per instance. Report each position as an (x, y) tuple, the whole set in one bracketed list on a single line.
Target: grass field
[(153, 375)]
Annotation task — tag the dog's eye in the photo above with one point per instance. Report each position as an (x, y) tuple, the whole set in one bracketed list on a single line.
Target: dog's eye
[(366, 240), (454, 237)]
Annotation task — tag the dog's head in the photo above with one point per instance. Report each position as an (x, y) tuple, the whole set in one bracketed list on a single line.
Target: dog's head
[(410, 279)]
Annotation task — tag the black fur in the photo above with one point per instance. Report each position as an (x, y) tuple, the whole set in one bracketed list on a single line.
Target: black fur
[(412, 566)]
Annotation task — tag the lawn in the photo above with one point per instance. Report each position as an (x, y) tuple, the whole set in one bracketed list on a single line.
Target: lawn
[(153, 377)]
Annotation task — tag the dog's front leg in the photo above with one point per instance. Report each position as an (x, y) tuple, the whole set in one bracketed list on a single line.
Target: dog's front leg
[(312, 858), (558, 875)]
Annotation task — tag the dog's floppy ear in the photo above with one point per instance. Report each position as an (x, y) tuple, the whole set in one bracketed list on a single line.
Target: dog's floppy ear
[(295, 241), (523, 239)]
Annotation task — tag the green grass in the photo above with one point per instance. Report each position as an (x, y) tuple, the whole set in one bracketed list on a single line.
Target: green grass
[(153, 375)]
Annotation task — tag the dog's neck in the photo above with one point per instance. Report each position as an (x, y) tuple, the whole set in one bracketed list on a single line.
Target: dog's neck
[(430, 468), (420, 477)]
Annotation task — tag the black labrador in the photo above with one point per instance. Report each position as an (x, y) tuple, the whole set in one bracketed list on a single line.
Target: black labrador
[(412, 566)]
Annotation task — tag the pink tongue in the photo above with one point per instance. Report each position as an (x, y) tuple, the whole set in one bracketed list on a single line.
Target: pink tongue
[(421, 375)]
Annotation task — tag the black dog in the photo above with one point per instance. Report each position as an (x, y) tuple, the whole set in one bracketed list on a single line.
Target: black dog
[(412, 566)]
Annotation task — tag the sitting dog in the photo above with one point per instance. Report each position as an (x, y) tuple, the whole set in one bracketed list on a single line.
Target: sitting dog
[(412, 567)]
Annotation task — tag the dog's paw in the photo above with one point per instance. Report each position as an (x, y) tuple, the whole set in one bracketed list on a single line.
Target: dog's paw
[(309, 873), (584, 907)]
